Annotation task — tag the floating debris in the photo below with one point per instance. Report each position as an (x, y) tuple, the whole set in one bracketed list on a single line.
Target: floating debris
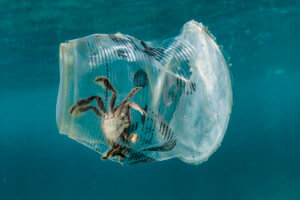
[(171, 101)]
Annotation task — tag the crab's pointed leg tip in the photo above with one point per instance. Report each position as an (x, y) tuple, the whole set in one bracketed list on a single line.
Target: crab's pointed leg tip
[(101, 78), (104, 157), (73, 111), (143, 112), (98, 79)]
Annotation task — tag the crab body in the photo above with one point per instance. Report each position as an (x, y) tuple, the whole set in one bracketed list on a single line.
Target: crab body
[(115, 122), (113, 126)]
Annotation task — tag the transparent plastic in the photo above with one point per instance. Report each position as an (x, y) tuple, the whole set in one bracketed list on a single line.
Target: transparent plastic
[(185, 90)]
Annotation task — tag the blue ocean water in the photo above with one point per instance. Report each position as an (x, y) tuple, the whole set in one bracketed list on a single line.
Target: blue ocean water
[(259, 157)]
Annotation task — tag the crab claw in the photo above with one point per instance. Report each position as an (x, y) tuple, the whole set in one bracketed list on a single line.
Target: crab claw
[(133, 138)]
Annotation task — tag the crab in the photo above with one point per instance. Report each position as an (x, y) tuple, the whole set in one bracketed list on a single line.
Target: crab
[(115, 122)]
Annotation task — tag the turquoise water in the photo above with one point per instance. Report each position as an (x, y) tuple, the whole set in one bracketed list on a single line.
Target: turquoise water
[(259, 157)]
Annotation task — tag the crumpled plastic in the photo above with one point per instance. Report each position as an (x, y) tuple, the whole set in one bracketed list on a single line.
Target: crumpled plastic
[(185, 91)]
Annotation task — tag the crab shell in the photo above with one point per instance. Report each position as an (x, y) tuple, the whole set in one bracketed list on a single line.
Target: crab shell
[(113, 126)]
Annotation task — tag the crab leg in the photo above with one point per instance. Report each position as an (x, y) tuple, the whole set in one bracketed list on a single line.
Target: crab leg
[(130, 95), (106, 83), (85, 102), (115, 150), (135, 107), (83, 109), (108, 154)]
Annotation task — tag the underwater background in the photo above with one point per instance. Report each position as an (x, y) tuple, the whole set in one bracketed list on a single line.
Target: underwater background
[(259, 157)]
